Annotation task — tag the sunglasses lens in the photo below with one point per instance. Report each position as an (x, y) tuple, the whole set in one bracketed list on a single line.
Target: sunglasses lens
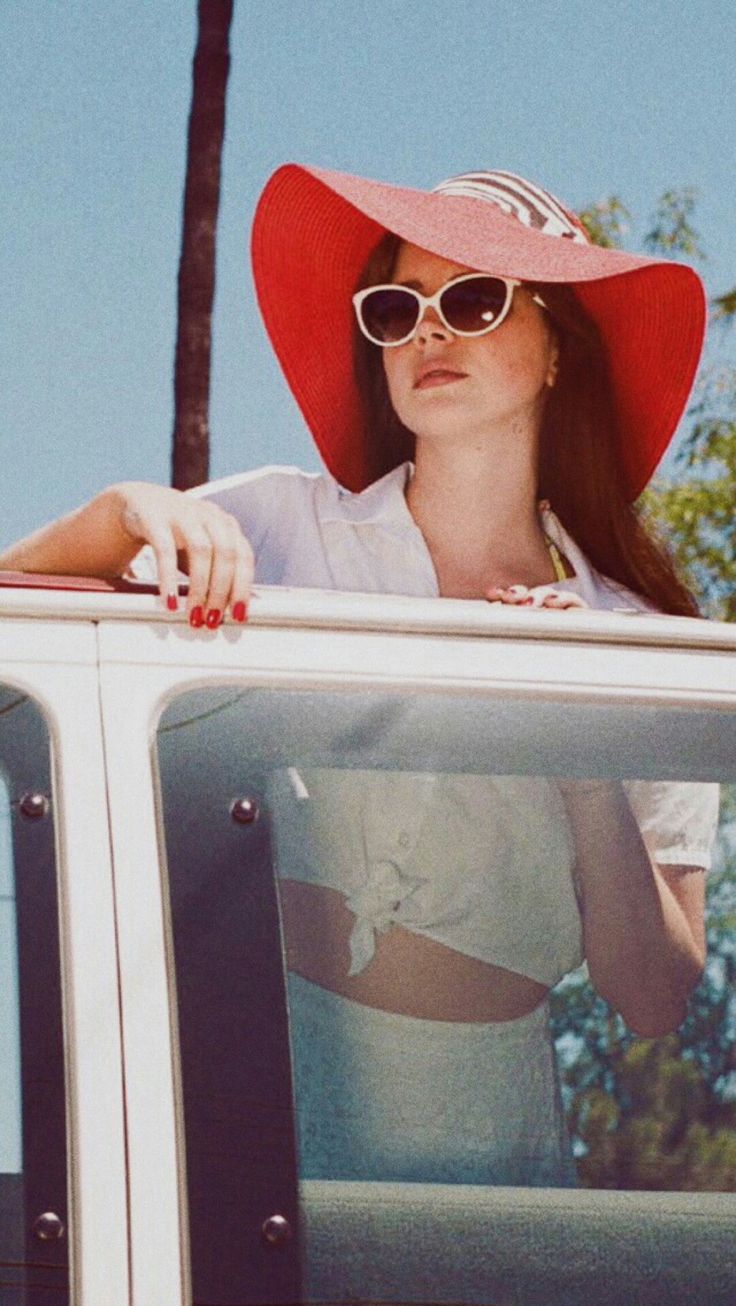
[(389, 315), (474, 305)]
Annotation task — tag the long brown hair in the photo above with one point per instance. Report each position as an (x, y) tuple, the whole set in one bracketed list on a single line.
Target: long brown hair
[(580, 470)]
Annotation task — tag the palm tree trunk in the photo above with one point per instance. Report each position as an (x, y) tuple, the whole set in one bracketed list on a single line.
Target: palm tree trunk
[(196, 288)]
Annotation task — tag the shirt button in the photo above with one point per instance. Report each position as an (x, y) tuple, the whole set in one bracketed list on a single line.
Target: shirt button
[(404, 839)]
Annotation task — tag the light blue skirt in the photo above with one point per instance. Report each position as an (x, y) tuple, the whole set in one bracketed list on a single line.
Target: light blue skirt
[(387, 1097)]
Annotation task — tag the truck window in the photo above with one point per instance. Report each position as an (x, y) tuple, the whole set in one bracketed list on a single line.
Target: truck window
[(33, 1215), (376, 916)]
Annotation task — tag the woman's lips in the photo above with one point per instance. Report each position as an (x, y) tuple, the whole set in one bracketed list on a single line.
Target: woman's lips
[(437, 376)]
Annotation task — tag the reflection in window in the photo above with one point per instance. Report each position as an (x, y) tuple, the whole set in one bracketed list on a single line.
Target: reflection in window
[(660, 1113), (426, 916), (429, 896)]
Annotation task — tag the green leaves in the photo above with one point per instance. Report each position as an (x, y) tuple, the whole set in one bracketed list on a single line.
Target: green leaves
[(658, 1113), (693, 511), (724, 306), (607, 222), (671, 231), (661, 1113)]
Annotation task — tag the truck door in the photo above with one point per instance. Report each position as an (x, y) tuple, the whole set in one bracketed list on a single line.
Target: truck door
[(34, 1216), (259, 783)]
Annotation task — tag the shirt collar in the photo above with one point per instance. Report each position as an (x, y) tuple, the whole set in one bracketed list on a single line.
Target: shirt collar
[(597, 590), (382, 504)]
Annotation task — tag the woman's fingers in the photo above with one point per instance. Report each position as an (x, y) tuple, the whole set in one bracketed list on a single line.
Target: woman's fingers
[(146, 516), (511, 594), (231, 570), (196, 544), (563, 599), (162, 543), (539, 596), (221, 565), (216, 554), (242, 579)]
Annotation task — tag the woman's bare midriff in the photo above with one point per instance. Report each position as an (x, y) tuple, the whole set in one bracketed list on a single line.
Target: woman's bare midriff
[(408, 974)]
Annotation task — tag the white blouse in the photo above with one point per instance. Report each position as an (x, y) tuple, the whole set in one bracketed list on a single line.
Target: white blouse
[(307, 530), (483, 864)]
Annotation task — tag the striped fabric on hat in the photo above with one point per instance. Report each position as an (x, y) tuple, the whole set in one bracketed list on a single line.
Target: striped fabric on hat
[(521, 199)]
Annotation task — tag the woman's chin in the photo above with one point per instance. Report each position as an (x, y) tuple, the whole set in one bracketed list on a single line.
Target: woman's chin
[(438, 414)]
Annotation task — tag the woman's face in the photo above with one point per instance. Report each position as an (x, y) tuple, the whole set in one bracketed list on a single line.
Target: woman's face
[(441, 384)]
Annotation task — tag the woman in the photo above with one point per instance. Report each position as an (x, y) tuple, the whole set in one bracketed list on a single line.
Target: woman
[(494, 358)]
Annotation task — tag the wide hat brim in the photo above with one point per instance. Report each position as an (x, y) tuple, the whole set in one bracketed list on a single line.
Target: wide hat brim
[(314, 229)]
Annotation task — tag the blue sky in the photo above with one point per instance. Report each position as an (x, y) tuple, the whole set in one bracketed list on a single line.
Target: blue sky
[(587, 98)]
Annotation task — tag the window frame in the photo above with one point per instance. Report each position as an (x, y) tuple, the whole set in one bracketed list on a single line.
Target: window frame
[(42, 1182), (54, 662), (143, 668)]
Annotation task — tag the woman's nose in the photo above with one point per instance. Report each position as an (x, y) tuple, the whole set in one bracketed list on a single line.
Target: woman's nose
[(431, 327)]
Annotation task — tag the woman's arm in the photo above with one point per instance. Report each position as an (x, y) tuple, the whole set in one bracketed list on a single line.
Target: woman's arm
[(102, 537), (643, 925)]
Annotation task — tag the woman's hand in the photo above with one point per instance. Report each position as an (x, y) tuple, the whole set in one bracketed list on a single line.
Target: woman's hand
[(204, 540), (103, 536), (540, 596), (643, 923)]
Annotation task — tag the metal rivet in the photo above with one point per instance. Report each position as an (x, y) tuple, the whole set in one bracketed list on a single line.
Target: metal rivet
[(244, 811), (276, 1230), (49, 1227), (34, 806)]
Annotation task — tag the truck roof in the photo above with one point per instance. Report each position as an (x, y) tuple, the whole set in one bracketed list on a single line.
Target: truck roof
[(91, 599)]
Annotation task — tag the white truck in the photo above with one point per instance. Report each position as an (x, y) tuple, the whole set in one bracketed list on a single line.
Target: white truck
[(147, 1137)]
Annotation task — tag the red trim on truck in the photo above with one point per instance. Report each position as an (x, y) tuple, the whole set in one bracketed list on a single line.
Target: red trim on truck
[(90, 584)]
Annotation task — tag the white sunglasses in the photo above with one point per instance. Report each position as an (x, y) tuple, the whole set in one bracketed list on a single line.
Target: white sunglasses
[(469, 305)]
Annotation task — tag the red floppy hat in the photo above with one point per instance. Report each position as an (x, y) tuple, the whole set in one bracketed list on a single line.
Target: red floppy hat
[(314, 229)]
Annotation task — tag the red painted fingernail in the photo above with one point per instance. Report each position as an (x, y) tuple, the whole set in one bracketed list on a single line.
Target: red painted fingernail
[(172, 602), (196, 617), (239, 611), (214, 617)]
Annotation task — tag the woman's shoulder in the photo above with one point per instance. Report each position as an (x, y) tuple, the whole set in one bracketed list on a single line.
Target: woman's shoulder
[(615, 597), (260, 483), (267, 498), (266, 494)]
